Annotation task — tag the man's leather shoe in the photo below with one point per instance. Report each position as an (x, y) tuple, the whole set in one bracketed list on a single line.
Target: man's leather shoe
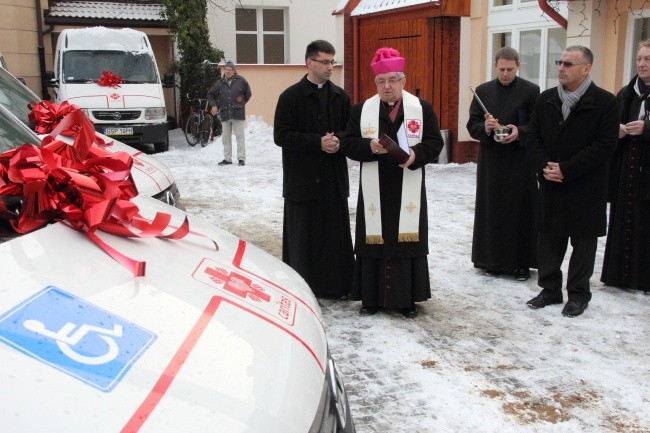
[(224, 162), (544, 299), (368, 311), (241, 162), (574, 308), (522, 274), (410, 312), (492, 273)]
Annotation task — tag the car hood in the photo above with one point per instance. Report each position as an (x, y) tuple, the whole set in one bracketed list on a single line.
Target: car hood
[(92, 95), (151, 176), (217, 336)]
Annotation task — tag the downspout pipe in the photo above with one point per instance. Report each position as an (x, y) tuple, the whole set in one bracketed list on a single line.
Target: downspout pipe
[(548, 10), (41, 49)]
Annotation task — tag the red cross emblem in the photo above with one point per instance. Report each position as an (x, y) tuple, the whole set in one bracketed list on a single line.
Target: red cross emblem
[(115, 96), (238, 284), (413, 126)]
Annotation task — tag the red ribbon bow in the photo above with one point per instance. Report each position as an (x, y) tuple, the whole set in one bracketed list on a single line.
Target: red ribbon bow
[(82, 185), (108, 79)]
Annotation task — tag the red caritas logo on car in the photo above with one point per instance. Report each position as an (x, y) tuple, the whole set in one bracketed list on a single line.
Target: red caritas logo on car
[(413, 128), (238, 284), (115, 96), (246, 290)]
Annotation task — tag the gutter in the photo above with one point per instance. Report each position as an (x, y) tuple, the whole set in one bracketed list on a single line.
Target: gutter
[(41, 49), (548, 10)]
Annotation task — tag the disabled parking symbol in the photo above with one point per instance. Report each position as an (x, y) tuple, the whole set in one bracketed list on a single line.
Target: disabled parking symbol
[(75, 337)]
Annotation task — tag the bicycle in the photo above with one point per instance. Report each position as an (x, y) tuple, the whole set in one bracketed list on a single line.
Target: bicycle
[(198, 128)]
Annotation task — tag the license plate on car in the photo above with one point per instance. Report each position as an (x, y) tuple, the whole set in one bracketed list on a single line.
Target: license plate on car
[(118, 131)]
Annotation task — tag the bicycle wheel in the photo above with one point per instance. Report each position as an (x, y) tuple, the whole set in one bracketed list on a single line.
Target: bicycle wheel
[(192, 131), (206, 129)]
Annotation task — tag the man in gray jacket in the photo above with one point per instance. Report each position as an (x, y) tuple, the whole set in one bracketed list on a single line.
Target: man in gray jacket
[(228, 98)]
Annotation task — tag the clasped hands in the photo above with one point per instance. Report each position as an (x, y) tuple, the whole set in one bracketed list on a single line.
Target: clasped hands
[(552, 172), (330, 143), (632, 128), (378, 149)]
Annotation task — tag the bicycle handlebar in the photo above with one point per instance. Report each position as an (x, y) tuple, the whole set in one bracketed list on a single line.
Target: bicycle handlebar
[(207, 62)]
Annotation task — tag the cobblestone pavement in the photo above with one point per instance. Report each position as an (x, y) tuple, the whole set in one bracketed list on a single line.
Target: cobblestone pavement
[(476, 359)]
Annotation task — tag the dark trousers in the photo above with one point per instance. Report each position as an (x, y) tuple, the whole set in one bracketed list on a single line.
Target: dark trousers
[(551, 250)]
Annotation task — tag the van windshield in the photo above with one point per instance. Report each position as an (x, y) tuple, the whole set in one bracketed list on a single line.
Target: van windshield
[(88, 66)]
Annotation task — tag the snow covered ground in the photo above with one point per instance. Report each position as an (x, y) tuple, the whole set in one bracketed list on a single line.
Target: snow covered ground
[(476, 359)]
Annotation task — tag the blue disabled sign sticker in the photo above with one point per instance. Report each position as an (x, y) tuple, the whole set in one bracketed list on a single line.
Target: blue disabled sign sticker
[(75, 337)]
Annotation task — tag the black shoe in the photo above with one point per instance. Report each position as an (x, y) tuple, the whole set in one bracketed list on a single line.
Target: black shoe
[(492, 273), (522, 274), (574, 308), (368, 311), (224, 162), (409, 312), (241, 162), (544, 299)]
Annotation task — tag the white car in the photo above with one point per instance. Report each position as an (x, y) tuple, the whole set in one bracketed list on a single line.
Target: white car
[(152, 177), (217, 336)]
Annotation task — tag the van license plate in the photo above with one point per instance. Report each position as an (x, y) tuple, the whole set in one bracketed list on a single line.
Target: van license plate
[(118, 131)]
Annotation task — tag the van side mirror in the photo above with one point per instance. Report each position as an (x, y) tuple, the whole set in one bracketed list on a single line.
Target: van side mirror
[(168, 80), (50, 79)]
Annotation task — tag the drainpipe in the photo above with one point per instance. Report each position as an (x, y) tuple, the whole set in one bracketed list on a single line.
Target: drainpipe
[(548, 10), (41, 49)]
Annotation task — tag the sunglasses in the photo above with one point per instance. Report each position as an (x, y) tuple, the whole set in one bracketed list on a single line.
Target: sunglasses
[(567, 64)]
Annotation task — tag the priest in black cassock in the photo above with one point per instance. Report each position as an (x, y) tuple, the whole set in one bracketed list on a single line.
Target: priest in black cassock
[(391, 241), (505, 238), (309, 117), (627, 253)]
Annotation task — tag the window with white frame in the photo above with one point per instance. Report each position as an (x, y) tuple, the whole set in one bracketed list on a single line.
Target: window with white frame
[(538, 40), (260, 35), (638, 30), (510, 3)]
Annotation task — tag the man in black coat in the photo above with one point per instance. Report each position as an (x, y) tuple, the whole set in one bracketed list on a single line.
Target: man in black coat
[(316, 241), (571, 137), (505, 239), (626, 259)]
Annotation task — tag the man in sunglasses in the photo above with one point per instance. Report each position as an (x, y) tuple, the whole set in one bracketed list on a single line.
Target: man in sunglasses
[(571, 136), (316, 239)]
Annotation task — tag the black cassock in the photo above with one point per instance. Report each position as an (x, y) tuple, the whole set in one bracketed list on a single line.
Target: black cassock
[(504, 237), (627, 252), (393, 274), (316, 239)]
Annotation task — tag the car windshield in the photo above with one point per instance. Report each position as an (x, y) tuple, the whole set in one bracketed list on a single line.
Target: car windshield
[(88, 66), (15, 96), (13, 133)]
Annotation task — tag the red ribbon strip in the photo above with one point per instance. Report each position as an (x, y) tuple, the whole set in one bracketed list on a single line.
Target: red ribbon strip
[(82, 185)]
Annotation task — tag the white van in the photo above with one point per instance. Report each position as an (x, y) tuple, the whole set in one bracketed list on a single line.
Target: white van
[(132, 111), (151, 176)]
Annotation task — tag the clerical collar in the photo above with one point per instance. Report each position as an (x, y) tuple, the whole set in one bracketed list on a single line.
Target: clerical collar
[(319, 85), (390, 105)]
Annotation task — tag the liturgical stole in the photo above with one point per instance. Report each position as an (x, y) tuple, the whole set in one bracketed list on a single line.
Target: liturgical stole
[(409, 220)]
